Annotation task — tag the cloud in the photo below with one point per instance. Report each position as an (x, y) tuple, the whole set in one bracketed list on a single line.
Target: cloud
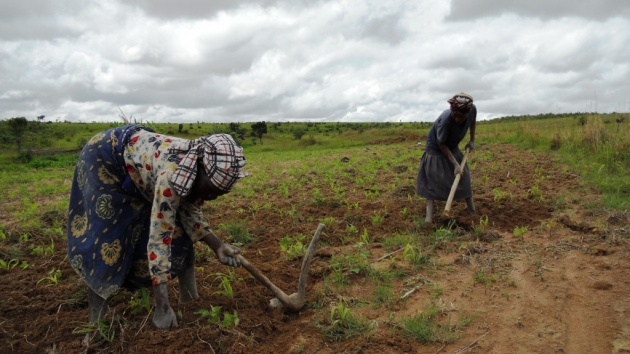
[(466, 10), (350, 60), (195, 9)]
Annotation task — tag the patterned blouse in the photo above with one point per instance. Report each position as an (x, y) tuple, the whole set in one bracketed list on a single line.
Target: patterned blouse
[(150, 167)]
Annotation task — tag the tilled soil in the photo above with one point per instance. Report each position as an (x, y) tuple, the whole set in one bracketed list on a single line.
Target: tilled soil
[(560, 287)]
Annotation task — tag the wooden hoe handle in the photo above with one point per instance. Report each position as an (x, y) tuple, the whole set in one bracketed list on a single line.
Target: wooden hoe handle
[(451, 195), (295, 301)]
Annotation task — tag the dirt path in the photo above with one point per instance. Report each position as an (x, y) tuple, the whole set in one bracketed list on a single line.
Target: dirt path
[(560, 287)]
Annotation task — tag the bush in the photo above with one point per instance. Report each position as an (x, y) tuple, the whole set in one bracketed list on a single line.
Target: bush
[(298, 133), (81, 143), (556, 142), (24, 157)]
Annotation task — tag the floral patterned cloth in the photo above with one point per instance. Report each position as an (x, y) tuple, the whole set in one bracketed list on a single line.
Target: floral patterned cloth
[(126, 227)]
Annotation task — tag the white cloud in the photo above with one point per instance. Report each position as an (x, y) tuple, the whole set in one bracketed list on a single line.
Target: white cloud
[(351, 60)]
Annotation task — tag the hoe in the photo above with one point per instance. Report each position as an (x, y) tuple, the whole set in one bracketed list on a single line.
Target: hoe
[(295, 301)]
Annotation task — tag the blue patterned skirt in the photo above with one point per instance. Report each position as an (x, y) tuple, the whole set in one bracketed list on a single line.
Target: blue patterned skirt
[(108, 220)]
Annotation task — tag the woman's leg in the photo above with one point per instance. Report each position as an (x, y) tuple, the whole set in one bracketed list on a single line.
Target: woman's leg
[(471, 205), (188, 284), (430, 205), (97, 306)]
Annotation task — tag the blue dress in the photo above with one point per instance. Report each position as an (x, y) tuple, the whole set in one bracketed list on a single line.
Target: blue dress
[(436, 173), (108, 220)]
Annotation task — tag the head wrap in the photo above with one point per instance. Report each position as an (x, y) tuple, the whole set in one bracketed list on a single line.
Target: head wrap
[(461, 102), (221, 158)]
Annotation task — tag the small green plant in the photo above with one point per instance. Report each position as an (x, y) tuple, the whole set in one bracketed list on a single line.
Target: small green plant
[(328, 221), (404, 213), (24, 237), (423, 328), (8, 265), (343, 324), (101, 330), (53, 277), (536, 193), (293, 247), (351, 206), (519, 231), (141, 303), (230, 319), (377, 219), (214, 315), (498, 194), (225, 286), (238, 232), (481, 277), (318, 197), (351, 229), (364, 239), (43, 249), (483, 224), (413, 255)]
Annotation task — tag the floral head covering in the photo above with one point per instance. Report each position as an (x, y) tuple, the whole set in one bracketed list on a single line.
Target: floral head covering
[(222, 159), (461, 102)]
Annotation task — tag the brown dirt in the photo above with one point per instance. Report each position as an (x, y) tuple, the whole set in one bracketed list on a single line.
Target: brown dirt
[(561, 287)]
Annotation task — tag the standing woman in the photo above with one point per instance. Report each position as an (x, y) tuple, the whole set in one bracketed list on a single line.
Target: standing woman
[(135, 212), (439, 164)]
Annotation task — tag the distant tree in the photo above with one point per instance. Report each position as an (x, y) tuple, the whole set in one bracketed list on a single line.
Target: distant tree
[(181, 126), (18, 128), (40, 118), (238, 130), (259, 129), (298, 133)]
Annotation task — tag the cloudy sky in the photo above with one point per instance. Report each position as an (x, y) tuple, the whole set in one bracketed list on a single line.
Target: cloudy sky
[(317, 60)]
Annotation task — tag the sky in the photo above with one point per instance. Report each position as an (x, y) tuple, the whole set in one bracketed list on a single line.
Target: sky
[(310, 60)]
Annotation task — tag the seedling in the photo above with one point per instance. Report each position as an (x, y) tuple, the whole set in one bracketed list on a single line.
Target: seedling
[(53, 277), (293, 246), (140, 304), (376, 219), (214, 315), (520, 231), (8, 265), (225, 286)]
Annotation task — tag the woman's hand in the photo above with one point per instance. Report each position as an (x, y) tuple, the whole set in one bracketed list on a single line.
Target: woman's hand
[(227, 255), (470, 145), (458, 169)]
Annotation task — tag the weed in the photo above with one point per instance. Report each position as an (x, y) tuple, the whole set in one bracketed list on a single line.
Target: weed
[(327, 221), (414, 255), (519, 231), (43, 249), (214, 315), (498, 194), (238, 232), (293, 247), (482, 278), (141, 303), (100, 330), (343, 324), (423, 328), (377, 219), (230, 319)]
